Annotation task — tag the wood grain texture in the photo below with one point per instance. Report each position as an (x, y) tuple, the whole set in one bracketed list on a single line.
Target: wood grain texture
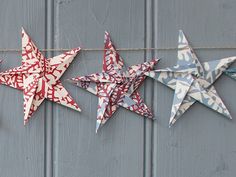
[(117, 149), (60, 142), (21, 147), (202, 142)]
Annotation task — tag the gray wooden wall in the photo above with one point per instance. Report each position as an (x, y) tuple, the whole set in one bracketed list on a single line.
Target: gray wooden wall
[(59, 142)]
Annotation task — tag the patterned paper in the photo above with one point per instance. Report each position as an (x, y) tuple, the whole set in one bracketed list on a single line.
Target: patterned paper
[(231, 73), (116, 87), (192, 81), (38, 77)]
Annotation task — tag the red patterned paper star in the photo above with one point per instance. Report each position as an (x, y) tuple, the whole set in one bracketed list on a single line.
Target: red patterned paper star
[(38, 77), (115, 87)]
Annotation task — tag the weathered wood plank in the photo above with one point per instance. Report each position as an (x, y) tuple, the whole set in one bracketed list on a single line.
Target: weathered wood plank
[(21, 148), (202, 142), (198, 145), (117, 150)]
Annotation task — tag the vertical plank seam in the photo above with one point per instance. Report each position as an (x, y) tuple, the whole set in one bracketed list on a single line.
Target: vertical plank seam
[(154, 130), (148, 125), (55, 127), (48, 114)]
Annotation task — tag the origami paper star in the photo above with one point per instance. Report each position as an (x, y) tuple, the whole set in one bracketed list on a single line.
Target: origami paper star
[(192, 81), (231, 73), (115, 87), (38, 77)]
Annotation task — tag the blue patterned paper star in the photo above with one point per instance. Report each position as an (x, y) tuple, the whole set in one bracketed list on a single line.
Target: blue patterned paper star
[(192, 81)]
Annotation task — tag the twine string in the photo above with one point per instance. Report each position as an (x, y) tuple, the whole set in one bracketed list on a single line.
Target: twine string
[(120, 49)]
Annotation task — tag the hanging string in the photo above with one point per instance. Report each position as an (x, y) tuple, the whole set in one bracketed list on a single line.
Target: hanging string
[(122, 49)]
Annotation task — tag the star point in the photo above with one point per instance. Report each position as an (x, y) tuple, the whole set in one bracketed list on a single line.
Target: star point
[(231, 73)]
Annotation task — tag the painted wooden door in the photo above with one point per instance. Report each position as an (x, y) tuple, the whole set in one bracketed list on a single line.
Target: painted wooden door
[(60, 142)]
